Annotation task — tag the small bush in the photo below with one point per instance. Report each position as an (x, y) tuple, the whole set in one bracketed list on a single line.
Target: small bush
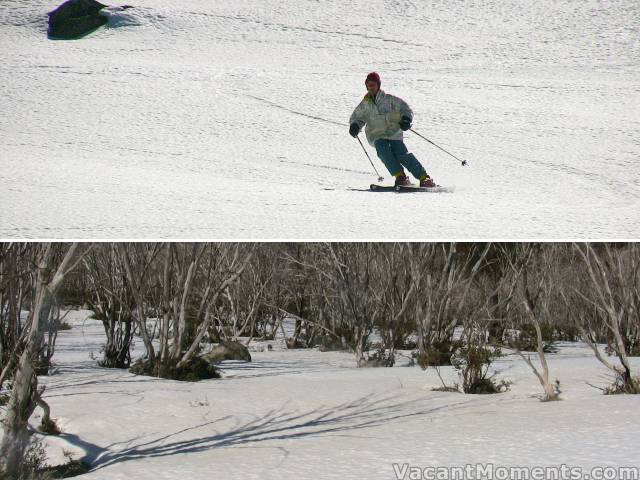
[(42, 366), (526, 343), (35, 467), (472, 363), (328, 343), (631, 346), (73, 468), (527, 340), (34, 464), (294, 343), (620, 386), (408, 345), (49, 427), (64, 326), (487, 386), (438, 354), (142, 367), (194, 370), (380, 358), (566, 333), (115, 356)]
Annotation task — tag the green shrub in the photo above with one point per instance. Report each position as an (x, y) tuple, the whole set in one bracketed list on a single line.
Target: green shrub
[(438, 354), (73, 468), (527, 340), (472, 363), (487, 386)]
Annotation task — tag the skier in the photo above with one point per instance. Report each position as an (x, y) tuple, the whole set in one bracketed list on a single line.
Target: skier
[(386, 117)]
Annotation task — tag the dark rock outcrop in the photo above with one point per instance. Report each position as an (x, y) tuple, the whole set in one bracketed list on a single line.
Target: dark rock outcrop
[(228, 351), (75, 19)]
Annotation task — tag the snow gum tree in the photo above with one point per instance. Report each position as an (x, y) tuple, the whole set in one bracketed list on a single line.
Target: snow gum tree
[(175, 290), (532, 273), (15, 291), (109, 296), (351, 268), (51, 263), (442, 276), (610, 287)]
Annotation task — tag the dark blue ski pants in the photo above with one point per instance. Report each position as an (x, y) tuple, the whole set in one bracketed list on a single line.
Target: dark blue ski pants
[(394, 155)]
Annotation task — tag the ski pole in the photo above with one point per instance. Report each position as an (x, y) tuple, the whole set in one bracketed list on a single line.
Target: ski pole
[(463, 162), (367, 154)]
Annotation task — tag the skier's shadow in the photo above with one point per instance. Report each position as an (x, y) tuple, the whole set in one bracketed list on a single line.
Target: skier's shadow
[(278, 424)]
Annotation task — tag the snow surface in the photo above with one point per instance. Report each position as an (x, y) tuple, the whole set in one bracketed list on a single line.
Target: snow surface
[(303, 414), (228, 119)]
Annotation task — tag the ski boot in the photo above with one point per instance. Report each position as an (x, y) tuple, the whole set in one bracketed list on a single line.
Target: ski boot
[(427, 182), (402, 181)]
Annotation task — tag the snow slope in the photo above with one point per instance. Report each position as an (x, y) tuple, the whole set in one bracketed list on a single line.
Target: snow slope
[(306, 414), (228, 120)]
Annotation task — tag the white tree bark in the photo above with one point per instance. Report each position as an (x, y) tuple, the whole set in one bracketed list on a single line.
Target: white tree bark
[(615, 301), (24, 394)]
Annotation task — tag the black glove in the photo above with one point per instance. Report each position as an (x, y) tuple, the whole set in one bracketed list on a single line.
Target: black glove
[(405, 123), (354, 130)]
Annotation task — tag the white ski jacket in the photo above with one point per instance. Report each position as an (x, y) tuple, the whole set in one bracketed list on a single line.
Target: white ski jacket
[(381, 116)]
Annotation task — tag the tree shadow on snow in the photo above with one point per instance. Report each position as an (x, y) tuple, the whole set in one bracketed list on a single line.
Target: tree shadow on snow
[(267, 368), (276, 424)]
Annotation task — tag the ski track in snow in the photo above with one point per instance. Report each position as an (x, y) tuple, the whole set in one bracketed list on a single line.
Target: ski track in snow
[(229, 120), (283, 415)]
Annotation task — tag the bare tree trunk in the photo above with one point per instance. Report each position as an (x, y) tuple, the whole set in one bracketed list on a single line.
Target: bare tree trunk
[(613, 294), (6, 370), (186, 291), (550, 393), (24, 392), (204, 326), (166, 306), (535, 260), (15, 288), (47, 425), (443, 275), (135, 286)]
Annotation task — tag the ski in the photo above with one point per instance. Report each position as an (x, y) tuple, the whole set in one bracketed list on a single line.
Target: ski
[(417, 188), (382, 188), (408, 188)]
